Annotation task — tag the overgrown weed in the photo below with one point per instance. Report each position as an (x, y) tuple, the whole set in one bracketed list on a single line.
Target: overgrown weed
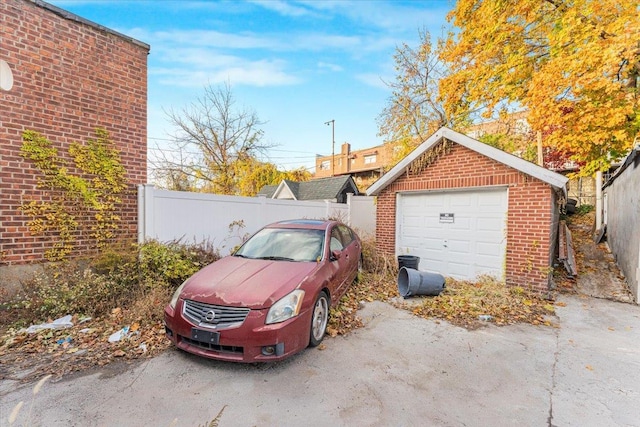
[(121, 276)]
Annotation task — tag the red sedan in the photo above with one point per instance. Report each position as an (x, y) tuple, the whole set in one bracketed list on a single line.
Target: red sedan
[(271, 298)]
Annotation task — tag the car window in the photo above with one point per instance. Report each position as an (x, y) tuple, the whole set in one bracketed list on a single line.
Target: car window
[(336, 240), (285, 244), (346, 235)]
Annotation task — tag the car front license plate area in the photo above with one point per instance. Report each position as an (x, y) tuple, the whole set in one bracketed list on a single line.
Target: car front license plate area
[(209, 337)]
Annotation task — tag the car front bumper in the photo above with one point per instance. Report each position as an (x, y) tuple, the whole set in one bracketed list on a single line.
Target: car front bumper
[(252, 341)]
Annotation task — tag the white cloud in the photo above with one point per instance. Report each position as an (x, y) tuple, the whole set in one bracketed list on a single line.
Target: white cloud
[(373, 80), (206, 38), (253, 73), (330, 67), (283, 7)]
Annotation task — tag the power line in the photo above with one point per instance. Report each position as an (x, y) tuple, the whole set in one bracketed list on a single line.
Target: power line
[(194, 153), (270, 149)]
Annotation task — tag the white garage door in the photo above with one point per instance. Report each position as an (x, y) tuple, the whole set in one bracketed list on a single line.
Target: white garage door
[(459, 234)]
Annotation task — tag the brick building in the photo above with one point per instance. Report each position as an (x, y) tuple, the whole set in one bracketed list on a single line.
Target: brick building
[(468, 209), (365, 166), (64, 77)]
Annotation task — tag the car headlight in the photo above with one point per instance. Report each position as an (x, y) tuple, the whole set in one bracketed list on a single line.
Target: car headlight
[(176, 295), (286, 308)]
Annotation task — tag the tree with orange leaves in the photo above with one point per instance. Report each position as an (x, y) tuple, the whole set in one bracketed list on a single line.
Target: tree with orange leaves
[(574, 65)]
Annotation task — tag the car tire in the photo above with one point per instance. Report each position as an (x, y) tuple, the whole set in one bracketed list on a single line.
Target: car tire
[(319, 319)]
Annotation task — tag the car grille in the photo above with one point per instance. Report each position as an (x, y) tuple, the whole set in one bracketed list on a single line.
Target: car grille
[(224, 317), (214, 347)]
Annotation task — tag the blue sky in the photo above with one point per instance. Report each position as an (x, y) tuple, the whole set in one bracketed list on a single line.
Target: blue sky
[(297, 64)]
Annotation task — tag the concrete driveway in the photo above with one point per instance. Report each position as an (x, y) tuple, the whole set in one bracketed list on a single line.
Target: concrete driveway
[(397, 371)]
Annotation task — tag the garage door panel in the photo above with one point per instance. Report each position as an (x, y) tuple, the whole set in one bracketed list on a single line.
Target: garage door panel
[(484, 265), (458, 246), (433, 203), (459, 197), (431, 264), (461, 223), (492, 202), (487, 248), (459, 270), (431, 243), (412, 221), (413, 242), (433, 222), (490, 224), (467, 241)]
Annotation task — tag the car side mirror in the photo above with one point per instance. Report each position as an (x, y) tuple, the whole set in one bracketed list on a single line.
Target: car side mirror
[(336, 254)]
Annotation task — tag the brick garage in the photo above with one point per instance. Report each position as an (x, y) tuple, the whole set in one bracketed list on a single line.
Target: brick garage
[(467, 209), (70, 76)]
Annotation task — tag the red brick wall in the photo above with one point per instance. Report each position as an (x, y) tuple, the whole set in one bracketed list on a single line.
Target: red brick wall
[(70, 77), (530, 210)]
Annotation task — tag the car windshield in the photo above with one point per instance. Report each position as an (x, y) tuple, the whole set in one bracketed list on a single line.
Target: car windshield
[(285, 244)]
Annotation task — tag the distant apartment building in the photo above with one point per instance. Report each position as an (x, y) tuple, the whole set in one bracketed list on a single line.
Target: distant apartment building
[(363, 165), (513, 124)]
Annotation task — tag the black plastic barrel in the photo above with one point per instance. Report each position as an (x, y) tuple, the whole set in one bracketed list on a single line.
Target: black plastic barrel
[(408, 261), (414, 282)]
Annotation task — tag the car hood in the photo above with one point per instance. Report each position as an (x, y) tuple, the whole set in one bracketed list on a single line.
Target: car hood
[(242, 282)]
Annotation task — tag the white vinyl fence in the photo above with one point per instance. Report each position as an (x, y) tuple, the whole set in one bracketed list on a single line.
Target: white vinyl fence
[(224, 221)]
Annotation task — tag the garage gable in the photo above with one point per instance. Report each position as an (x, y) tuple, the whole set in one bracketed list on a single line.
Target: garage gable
[(444, 134)]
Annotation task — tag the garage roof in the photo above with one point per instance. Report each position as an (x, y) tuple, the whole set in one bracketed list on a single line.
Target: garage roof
[(552, 178)]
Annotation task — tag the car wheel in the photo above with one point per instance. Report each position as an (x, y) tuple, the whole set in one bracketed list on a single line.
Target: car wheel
[(319, 319)]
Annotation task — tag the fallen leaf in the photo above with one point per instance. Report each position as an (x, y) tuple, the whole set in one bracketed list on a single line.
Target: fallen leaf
[(332, 332), (561, 304), (589, 367), (119, 353)]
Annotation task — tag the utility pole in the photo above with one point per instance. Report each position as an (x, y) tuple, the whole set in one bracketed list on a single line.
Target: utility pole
[(333, 145), (539, 145)]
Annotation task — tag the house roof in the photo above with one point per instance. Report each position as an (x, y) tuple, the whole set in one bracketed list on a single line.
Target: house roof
[(268, 191), (317, 189), (552, 178)]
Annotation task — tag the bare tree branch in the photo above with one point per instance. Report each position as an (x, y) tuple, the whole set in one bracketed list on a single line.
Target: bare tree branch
[(210, 136)]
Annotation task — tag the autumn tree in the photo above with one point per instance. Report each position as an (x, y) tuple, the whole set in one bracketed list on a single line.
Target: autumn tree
[(252, 175), (573, 65), (168, 170), (211, 136), (414, 110)]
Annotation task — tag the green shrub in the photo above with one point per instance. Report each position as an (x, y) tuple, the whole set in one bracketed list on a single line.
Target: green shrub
[(120, 276), (68, 289), (172, 263), (584, 209)]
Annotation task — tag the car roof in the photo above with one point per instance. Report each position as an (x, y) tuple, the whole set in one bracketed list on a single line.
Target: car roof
[(316, 224)]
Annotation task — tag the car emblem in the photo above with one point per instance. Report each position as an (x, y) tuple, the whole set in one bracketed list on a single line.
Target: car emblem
[(210, 316)]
